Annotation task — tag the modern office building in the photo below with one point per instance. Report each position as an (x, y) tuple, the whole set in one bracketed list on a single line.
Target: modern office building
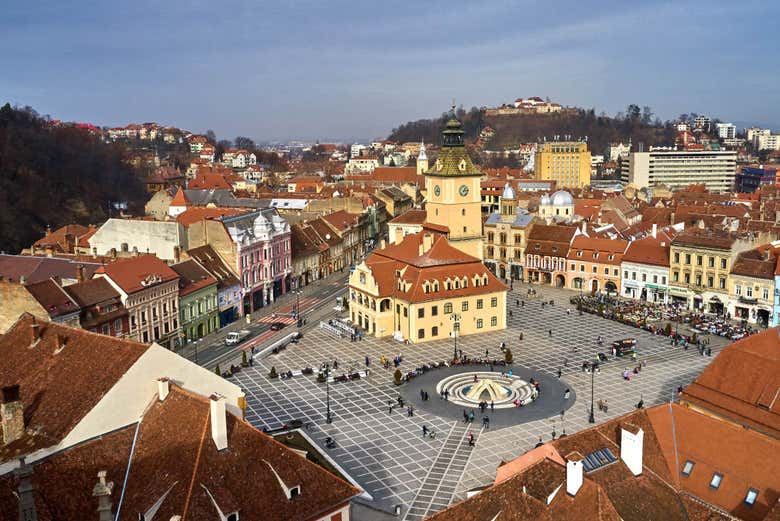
[(565, 162), (715, 169), (726, 130)]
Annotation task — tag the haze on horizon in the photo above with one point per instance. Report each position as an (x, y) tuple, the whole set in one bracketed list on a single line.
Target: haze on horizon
[(344, 70)]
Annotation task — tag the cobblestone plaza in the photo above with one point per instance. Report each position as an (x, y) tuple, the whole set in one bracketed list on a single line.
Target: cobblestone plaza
[(384, 449)]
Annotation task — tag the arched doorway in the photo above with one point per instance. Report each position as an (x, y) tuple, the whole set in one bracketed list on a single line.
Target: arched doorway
[(594, 286), (610, 287), (560, 281)]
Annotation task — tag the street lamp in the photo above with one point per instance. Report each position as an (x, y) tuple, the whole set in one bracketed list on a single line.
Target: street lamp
[(326, 367), (580, 306), (455, 317), (593, 367), (298, 307)]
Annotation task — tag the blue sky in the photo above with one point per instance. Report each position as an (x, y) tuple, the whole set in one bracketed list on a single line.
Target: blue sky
[(341, 70)]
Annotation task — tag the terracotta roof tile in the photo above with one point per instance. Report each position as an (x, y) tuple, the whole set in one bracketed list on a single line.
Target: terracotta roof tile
[(54, 405), (129, 273), (192, 277), (53, 298), (743, 383)]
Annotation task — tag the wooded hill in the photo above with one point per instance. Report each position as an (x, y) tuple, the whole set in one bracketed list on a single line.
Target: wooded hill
[(510, 130), (56, 175)]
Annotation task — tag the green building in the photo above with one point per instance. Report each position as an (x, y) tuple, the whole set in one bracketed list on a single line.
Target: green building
[(198, 301)]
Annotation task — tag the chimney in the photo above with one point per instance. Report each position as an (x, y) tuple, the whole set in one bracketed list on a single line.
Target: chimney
[(573, 476), (94, 252), (102, 491), (382, 244), (80, 273), (12, 414), (427, 242), (219, 421), (70, 243), (48, 230), (584, 227), (176, 254), (163, 388), (35, 331), (113, 253), (655, 230), (631, 449), (25, 490)]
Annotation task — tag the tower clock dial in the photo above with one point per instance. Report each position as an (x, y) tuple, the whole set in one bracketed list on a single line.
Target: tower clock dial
[(437, 190), (464, 190)]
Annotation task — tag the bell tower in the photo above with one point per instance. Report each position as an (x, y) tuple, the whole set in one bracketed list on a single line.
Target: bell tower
[(422, 160), (453, 196)]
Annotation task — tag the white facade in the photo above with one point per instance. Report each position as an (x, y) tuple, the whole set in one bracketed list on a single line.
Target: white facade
[(726, 130), (127, 235), (617, 150), (649, 279), (716, 169), (767, 141), (356, 149)]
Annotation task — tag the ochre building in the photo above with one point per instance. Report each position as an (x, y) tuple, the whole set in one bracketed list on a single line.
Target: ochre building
[(424, 288)]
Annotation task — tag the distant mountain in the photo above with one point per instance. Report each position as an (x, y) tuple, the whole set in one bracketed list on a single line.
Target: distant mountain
[(511, 130), (55, 175)]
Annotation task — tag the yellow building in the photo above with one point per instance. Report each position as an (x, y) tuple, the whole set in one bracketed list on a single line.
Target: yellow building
[(699, 266), (565, 162), (453, 192), (422, 289)]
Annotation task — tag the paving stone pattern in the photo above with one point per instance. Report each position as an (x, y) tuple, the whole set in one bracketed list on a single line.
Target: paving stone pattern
[(384, 449)]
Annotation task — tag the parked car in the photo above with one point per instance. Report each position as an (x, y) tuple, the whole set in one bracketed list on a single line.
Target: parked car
[(276, 326), (236, 337)]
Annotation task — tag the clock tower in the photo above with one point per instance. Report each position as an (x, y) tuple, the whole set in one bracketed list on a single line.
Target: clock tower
[(453, 196)]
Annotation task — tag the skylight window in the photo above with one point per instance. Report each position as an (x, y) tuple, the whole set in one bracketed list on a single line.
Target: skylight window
[(752, 495), (715, 481), (688, 468), (597, 459)]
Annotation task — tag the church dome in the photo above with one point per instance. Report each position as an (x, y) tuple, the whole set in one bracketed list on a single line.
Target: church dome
[(562, 198), (508, 192), (545, 200)]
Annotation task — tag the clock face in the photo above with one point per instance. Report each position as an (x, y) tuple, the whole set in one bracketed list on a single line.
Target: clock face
[(437, 190), (464, 190)]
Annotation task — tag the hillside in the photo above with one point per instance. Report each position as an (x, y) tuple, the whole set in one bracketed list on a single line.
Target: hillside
[(56, 175), (511, 130)]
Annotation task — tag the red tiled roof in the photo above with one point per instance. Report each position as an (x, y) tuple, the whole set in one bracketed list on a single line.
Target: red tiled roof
[(176, 461), (413, 216), (650, 250), (341, 220), (53, 298), (91, 292), (743, 383), (192, 277), (180, 199), (77, 377), (129, 273), (57, 238), (597, 249), (203, 181)]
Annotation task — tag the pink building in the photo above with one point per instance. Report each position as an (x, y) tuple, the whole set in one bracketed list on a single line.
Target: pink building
[(261, 244)]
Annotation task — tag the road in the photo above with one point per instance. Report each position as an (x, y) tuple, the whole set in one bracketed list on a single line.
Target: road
[(316, 300)]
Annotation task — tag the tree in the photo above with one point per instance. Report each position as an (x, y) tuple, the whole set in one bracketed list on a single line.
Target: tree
[(211, 137), (647, 115), (244, 143)]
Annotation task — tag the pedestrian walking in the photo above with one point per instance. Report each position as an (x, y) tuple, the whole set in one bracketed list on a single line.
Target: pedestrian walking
[(559, 372), (522, 304), (389, 407), (550, 332), (425, 430), (492, 406), (471, 440), (521, 335), (487, 352), (465, 416), (485, 422), (471, 416), (422, 394), (367, 361)]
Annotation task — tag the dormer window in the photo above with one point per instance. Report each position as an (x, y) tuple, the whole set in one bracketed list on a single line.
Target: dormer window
[(294, 493), (716, 480)]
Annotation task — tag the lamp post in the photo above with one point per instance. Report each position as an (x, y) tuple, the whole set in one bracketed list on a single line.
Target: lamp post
[(593, 367), (455, 317), (298, 308), (328, 418), (580, 306)]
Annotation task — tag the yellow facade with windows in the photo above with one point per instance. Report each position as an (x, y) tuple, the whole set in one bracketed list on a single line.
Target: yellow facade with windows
[(699, 273), (565, 162), (420, 321)]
